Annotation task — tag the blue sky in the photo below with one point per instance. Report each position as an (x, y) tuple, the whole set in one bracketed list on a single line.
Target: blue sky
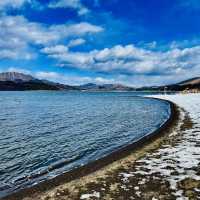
[(133, 42)]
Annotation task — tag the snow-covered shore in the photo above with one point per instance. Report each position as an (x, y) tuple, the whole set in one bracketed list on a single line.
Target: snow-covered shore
[(179, 162)]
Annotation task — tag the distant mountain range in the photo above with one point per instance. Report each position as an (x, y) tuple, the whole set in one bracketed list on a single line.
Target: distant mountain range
[(14, 81), (105, 87), (15, 77), (190, 84)]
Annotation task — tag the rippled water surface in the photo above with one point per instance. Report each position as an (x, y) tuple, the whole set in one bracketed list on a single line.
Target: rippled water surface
[(68, 129)]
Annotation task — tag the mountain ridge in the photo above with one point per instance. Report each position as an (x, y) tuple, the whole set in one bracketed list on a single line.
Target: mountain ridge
[(13, 81), (16, 77), (192, 81)]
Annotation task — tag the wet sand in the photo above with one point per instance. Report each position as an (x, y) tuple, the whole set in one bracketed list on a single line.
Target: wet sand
[(140, 171)]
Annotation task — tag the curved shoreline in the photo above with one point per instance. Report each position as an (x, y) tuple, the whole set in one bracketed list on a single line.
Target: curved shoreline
[(92, 167)]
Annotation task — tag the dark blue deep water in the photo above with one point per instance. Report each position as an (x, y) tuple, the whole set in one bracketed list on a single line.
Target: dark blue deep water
[(41, 129)]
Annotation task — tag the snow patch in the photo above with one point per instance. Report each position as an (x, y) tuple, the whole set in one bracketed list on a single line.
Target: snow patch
[(176, 163), (87, 196)]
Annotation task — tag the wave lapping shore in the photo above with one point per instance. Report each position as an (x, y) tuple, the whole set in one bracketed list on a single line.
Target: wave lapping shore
[(170, 172), (48, 143), (165, 168)]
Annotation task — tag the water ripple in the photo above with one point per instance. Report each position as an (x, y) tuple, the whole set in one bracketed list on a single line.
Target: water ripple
[(43, 134)]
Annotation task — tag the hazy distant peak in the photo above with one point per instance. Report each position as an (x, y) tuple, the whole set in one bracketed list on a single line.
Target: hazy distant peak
[(15, 76), (192, 81)]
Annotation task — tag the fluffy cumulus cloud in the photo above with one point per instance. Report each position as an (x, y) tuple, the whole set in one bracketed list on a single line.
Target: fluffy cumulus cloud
[(73, 4), (76, 42), (22, 39), (132, 60), (55, 49), (19, 27), (48, 75), (78, 29), (76, 5), (24, 34)]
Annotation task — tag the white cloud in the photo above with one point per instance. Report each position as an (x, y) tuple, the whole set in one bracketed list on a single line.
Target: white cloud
[(101, 80), (61, 49), (76, 42), (74, 4), (14, 54), (133, 60), (20, 70), (14, 4), (55, 49), (18, 27), (18, 35), (48, 75), (73, 30), (71, 79)]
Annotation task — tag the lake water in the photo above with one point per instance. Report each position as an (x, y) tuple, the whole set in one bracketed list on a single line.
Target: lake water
[(42, 129)]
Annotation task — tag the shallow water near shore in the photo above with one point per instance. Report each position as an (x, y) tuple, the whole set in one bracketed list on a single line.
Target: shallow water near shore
[(43, 134)]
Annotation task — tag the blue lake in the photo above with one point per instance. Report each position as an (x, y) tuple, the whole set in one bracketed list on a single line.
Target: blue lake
[(41, 129)]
